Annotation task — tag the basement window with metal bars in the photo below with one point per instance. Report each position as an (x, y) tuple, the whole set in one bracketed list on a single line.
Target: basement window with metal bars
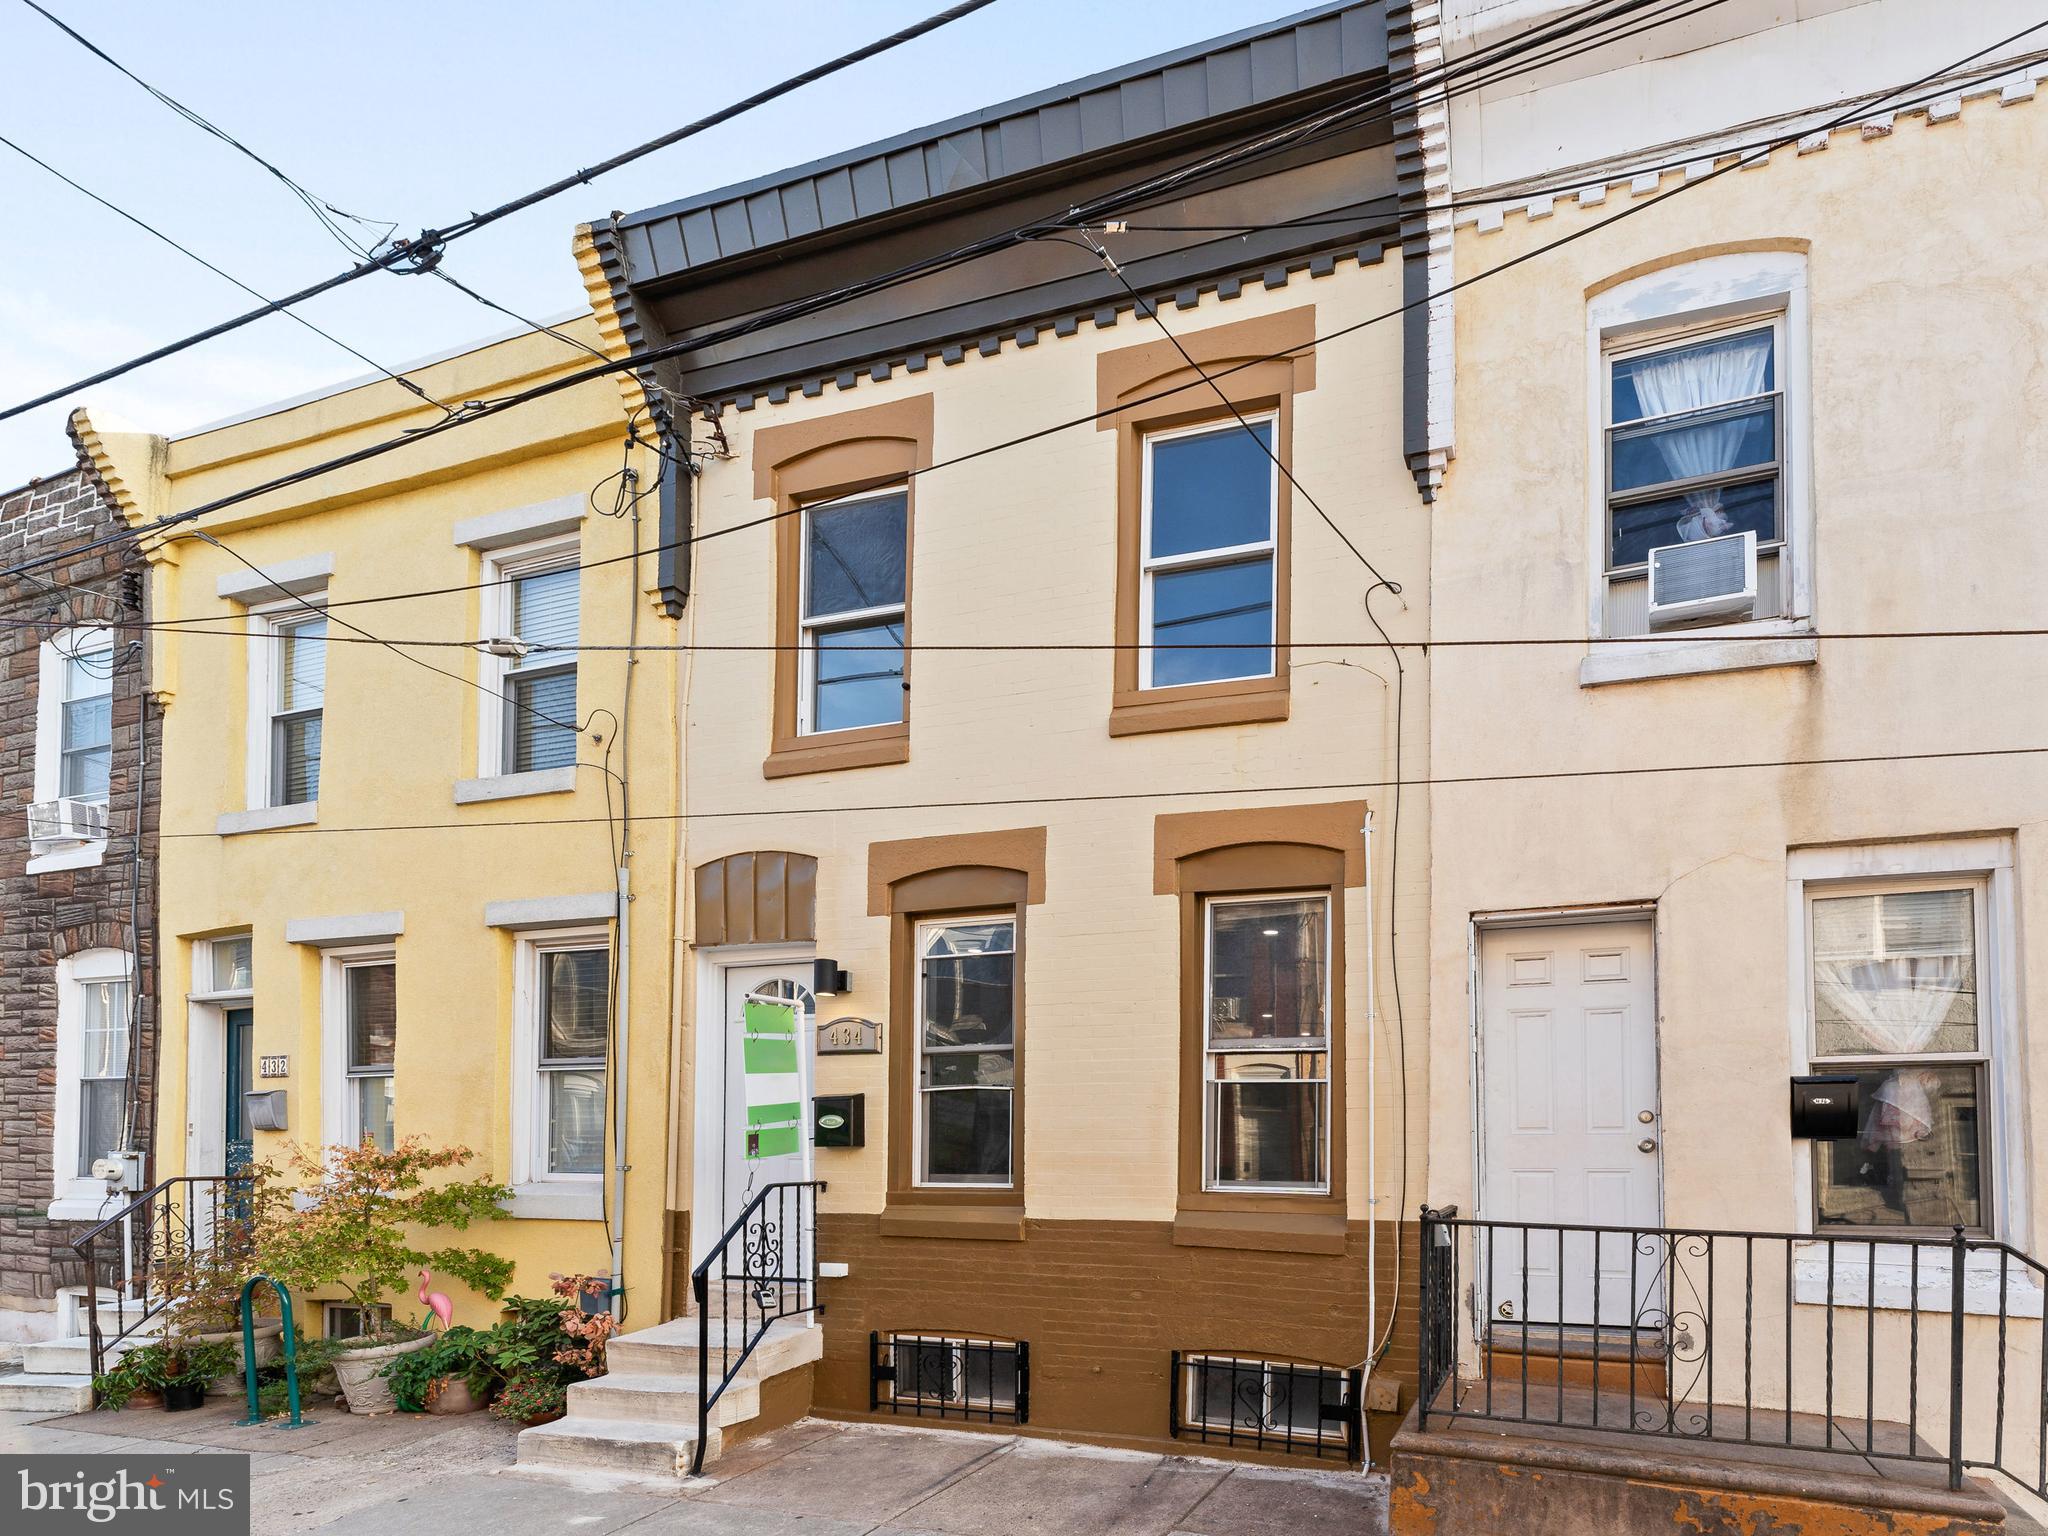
[(950, 1376), (1268, 1405)]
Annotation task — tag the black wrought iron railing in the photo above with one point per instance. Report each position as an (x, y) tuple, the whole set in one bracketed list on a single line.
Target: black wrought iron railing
[(1908, 1348), (764, 1268), (133, 1255), (950, 1376), (1291, 1408)]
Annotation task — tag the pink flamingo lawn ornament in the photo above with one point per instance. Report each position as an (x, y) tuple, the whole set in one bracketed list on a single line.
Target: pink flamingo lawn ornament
[(434, 1301)]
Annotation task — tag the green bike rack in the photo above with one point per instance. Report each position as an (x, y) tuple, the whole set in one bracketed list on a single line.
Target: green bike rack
[(291, 1352)]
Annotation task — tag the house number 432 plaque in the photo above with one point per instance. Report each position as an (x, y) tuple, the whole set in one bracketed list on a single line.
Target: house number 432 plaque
[(850, 1037)]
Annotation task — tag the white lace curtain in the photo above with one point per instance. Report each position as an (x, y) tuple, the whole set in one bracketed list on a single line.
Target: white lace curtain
[(1692, 379), (1894, 1003)]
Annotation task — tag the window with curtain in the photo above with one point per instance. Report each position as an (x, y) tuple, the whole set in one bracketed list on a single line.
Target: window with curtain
[(1895, 1003), (967, 1050), (855, 562), (1266, 1062), (540, 687), (298, 696), (1207, 567), (574, 993), (86, 747), (370, 988), (1695, 450), (102, 1070)]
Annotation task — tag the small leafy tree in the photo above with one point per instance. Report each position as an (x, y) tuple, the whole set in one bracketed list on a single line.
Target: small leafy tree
[(355, 1215)]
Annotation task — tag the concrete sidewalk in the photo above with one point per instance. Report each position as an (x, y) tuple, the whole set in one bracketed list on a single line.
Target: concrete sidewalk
[(400, 1475)]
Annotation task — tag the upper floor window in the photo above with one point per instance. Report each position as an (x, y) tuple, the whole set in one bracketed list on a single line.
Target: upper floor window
[(1702, 421), (529, 720), (1267, 1044), (296, 704), (1208, 550), (855, 557), (86, 712)]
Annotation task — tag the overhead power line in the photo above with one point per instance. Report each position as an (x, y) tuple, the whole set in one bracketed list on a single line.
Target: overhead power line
[(424, 251)]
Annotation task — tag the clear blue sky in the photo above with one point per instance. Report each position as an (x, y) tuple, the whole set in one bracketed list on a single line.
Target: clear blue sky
[(415, 113)]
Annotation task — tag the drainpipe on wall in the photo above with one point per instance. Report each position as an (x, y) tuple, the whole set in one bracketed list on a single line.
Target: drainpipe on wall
[(1372, 1056), (624, 1078)]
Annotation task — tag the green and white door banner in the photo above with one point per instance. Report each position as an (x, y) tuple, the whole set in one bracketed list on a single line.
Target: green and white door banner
[(768, 1037)]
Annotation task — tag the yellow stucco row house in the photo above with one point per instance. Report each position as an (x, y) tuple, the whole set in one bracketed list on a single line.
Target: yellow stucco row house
[(1359, 792)]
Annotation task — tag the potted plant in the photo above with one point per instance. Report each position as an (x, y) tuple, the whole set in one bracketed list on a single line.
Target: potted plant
[(204, 1286), (545, 1344), (351, 1225), (174, 1370), (454, 1373)]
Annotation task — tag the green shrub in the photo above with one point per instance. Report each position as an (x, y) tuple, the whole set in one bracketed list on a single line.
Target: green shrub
[(152, 1367)]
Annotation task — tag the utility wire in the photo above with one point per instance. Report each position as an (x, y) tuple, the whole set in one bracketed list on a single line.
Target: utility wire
[(424, 251), (192, 255), (1095, 209)]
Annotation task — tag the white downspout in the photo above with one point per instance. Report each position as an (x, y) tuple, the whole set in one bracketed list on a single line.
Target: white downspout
[(623, 1028), (1372, 1056)]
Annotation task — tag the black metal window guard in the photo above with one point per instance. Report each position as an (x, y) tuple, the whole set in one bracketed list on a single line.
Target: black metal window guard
[(950, 1376), (1289, 1407), (1907, 1348)]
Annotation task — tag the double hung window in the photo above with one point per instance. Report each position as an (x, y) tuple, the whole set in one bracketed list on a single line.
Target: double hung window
[(855, 561), (298, 690), (103, 1068), (1207, 560), (539, 688), (86, 713), (572, 1027), (1896, 1001), (1266, 1056), (370, 1002), (967, 1053)]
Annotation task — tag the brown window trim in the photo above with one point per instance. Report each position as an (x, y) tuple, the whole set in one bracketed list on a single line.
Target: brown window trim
[(809, 461), (1126, 378), (911, 881), (1244, 853)]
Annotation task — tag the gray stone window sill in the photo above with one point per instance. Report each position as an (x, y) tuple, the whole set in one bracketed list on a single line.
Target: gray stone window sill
[(266, 818), (510, 786), (1617, 661), (557, 1202)]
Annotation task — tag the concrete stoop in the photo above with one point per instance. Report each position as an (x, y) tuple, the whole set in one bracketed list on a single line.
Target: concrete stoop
[(1552, 1482), (640, 1420), (44, 1392)]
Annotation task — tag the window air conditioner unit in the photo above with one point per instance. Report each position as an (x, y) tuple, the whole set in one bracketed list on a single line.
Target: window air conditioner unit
[(67, 821), (1706, 579)]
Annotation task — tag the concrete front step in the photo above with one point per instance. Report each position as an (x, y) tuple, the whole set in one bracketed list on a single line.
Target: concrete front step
[(670, 1349), (44, 1392), (668, 1400), (612, 1445), (73, 1356)]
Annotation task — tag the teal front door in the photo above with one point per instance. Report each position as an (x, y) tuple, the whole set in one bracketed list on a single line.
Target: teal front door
[(240, 1072)]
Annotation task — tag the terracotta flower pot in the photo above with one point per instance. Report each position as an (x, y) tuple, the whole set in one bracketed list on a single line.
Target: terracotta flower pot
[(356, 1369), (451, 1394)]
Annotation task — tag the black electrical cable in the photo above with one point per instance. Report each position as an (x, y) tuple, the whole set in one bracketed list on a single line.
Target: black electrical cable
[(423, 252)]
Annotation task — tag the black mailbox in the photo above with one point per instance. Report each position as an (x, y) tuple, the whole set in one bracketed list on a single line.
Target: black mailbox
[(839, 1120), (1824, 1108)]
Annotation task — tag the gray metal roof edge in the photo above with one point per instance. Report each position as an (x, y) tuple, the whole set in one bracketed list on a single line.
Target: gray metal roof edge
[(933, 132)]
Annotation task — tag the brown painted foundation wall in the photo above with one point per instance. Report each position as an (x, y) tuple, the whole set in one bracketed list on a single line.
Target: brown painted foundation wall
[(1103, 1306)]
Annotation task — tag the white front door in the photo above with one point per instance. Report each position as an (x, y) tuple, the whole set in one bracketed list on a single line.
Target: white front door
[(743, 1177), (1570, 1134)]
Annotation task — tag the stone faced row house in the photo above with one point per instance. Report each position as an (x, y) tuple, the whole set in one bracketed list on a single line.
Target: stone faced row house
[(1388, 694)]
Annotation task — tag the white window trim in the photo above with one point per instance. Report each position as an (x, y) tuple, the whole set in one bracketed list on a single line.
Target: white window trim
[(1985, 859), (495, 779), (1668, 303), (49, 758), (1210, 1183), (78, 1197), (265, 646), (339, 1124), (1195, 559), (537, 1192), (918, 1089), (809, 625)]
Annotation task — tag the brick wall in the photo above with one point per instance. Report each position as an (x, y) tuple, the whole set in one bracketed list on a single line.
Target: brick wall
[(45, 917)]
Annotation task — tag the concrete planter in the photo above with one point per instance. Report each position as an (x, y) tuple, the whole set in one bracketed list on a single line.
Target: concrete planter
[(356, 1369), (451, 1394), (269, 1342)]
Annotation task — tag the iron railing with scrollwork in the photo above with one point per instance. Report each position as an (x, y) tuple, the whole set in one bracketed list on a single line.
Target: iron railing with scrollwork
[(763, 1268), (1285, 1407), (950, 1376), (1908, 1348), (135, 1253)]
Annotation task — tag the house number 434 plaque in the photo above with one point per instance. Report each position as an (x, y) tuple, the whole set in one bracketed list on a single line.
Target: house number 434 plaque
[(850, 1037)]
